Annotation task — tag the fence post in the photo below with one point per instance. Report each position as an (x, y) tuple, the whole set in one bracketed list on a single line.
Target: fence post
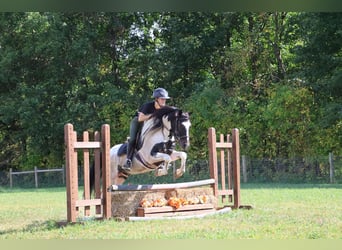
[(63, 174), (236, 168), (36, 177), (244, 168), (331, 164), (10, 177)]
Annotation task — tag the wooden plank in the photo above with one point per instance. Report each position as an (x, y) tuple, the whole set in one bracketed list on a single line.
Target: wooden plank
[(86, 173), (179, 213), (173, 209), (89, 202), (203, 214), (147, 187), (224, 145), (225, 192), (88, 144), (168, 210)]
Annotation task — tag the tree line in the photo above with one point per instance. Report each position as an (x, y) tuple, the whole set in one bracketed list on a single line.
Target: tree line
[(274, 75)]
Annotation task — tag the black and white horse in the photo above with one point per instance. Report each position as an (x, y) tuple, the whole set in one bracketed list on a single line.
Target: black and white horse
[(155, 146)]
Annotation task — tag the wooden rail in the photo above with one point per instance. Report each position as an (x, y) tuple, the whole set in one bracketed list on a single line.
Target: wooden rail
[(161, 186)]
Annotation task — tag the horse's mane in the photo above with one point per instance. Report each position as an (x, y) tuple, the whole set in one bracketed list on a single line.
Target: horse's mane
[(159, 113)]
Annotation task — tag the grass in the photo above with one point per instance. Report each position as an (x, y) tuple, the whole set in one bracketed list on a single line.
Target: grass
[(279, 212)]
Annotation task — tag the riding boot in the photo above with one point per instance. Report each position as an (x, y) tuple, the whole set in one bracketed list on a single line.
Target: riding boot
[(130, 151), (134, 127)]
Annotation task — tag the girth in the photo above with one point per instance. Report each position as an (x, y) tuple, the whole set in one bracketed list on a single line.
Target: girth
[(142, 160)]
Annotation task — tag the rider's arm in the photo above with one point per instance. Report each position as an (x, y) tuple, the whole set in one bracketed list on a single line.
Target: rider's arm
[(142, 117)]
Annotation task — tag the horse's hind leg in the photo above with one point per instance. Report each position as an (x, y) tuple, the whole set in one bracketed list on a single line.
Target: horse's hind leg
[(117, 176)]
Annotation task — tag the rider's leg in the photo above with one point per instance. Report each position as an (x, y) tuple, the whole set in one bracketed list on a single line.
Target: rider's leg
[(134, 126)]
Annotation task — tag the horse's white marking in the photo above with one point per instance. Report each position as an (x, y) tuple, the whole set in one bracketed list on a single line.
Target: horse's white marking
[(187, 125)]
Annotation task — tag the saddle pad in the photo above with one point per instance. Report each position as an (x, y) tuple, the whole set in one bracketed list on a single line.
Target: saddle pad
[(123, 149)]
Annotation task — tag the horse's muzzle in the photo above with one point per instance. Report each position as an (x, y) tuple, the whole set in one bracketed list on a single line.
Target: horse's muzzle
[(185, 145)]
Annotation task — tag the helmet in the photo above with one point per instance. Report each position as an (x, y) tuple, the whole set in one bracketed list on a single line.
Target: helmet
[(160, 93)]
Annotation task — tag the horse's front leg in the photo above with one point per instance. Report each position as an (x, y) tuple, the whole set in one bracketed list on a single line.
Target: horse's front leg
[(162, 170), (175, 155)]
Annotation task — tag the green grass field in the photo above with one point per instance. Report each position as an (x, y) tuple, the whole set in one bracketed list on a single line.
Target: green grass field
[(279, 212)]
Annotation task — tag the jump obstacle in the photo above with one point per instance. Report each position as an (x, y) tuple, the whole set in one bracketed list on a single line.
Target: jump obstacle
[(224, 182)]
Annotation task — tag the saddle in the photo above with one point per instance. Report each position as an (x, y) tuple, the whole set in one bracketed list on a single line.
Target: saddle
[(138, 144)]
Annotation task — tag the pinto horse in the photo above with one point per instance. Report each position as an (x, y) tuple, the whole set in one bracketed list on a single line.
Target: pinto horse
[(155, 147)]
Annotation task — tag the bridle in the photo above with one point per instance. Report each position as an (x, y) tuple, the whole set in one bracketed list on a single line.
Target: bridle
[(174, 131)]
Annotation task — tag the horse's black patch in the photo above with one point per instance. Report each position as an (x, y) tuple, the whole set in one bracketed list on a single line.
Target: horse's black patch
[(163, 147), (123, 149)]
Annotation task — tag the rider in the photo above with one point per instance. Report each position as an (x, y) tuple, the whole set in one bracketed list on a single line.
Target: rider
[(144, 113)]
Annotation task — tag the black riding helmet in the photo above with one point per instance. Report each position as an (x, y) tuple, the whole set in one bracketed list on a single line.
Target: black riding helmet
[(160, 93)]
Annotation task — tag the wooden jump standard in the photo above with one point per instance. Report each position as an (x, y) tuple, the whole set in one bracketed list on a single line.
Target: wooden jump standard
[(227, 184), (102, 200)]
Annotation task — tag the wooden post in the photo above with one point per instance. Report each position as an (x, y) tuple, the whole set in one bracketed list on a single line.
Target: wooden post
[(35, 177), (63, 174), (105, 136), (223, 167), (244, 169), (10, 177), (213, 158), (229, 169), (236, 167), (331, 168), (71, 178), (97, 166)]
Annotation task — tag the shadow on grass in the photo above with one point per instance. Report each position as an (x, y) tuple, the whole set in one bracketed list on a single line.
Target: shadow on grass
[(288, 186), (35, 226), (39, 226)]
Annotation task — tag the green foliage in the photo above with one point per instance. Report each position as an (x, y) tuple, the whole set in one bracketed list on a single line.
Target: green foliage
[(289, 117), (275, 76)]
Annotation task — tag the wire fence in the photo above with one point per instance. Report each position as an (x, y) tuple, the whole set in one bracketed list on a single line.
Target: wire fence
[(323, 169)]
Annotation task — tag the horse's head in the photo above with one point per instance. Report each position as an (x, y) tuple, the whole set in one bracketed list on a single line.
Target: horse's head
[(179, 126), (177, 122), (182, 129)]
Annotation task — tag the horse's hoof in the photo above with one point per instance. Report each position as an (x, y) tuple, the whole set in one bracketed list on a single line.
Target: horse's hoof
[(160, 172), (123, 170), (179, 173)]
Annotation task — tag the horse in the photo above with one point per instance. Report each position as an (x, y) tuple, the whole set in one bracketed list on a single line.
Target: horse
[(155, 146)]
